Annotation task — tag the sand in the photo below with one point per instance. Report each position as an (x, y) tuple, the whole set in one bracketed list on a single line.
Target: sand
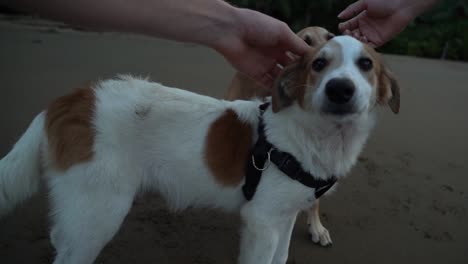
[(405, 202)]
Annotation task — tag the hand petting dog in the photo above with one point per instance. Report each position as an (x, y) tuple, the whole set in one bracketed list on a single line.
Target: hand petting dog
[(376, 22)]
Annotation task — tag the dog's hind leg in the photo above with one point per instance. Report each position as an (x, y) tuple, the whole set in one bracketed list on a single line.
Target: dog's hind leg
[(86, 214), (318, 233)]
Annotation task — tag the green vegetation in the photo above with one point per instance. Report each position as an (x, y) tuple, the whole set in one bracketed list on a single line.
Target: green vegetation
[(441, 33)]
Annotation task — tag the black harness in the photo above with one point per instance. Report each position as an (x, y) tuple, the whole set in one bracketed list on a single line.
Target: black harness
[(263, 151)]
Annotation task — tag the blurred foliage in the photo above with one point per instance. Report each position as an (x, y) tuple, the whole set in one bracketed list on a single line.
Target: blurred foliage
[(440, 33)]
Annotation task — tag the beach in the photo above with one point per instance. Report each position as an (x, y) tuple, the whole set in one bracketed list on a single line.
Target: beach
[(406, 201)]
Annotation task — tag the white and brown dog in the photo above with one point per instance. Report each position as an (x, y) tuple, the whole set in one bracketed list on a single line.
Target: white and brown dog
[(244, 88), (99, 146)]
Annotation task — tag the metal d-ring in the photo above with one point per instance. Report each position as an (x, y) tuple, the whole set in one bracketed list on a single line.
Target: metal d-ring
[(268, 160)]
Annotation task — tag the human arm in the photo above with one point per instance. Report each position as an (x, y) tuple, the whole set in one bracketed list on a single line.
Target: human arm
[(252, 42)]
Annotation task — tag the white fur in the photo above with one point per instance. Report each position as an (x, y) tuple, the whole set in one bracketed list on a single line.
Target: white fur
[(351, 51), (162, 149), (20, 169)]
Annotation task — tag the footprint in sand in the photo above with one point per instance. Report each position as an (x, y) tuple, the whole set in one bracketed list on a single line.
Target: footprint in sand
[(371, 168), (431, 234), (405, 158)]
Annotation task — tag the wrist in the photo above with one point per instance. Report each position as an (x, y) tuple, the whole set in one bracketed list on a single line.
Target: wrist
[(224, 26), (416, 8), (228, 33)]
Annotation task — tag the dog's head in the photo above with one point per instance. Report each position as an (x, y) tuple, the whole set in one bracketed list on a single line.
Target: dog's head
[(340, 78)]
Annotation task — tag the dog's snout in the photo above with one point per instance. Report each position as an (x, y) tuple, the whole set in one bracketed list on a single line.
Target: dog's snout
[(339, 90)]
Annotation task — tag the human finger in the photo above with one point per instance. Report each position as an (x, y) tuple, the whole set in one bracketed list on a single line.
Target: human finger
[(353, 10), (285, 59), (275, 71), (291, 42), (364, 39), (357, 34), (349, 25), (372, 44)]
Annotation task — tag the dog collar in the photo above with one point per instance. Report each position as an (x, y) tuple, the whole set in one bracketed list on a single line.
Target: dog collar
[(264, 152)]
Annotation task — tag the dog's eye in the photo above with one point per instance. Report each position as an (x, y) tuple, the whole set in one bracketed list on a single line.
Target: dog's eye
[(365, 64), (319, 64)]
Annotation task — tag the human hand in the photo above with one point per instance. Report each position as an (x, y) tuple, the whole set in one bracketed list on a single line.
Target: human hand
[(257, 44), (378, 21)]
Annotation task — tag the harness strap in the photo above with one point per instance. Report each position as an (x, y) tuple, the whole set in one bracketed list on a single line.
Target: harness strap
[(263, 151), (257, 158)]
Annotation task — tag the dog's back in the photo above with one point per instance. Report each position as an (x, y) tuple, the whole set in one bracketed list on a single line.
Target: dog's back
[(125, 126)]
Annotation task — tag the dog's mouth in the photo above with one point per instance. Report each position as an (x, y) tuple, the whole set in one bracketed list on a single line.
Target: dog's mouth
[(339, 110)]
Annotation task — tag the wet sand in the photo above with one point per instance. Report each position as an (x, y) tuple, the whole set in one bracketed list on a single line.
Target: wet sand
[(405, 202)]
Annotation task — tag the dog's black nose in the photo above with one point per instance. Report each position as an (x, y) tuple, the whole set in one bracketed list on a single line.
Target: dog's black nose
[(339, 90)]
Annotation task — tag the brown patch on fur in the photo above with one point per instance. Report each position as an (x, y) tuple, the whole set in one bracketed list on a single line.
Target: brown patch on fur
[(388, 91), (289, 86), (69, 129), (227, 148), (293, 82)]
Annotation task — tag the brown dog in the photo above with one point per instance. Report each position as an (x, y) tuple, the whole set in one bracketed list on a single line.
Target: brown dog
[(244, 88)]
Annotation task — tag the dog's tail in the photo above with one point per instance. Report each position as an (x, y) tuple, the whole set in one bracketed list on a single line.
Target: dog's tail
[(20, 169)]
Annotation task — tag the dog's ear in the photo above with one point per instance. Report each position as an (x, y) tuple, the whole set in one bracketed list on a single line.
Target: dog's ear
[(389, 90), (288, 85), (329, 36)]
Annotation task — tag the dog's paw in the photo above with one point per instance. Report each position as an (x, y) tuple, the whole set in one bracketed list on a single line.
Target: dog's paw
[(320, 235)]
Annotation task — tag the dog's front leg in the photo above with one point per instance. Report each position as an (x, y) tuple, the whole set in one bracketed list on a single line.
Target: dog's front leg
[(259, 238), (286, 228), (318, 233)]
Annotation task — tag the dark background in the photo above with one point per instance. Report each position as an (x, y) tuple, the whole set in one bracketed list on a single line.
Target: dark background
[(440, 33)]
